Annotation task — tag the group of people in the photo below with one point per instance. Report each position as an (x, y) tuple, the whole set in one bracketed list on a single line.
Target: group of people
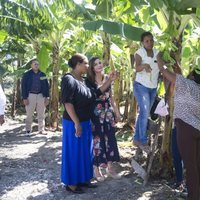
[(88, 124), (186, 111), (90, 114)]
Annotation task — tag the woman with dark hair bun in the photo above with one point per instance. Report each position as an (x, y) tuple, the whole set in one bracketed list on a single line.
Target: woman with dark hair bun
[(187, 120), (77, 98), (145, 87)]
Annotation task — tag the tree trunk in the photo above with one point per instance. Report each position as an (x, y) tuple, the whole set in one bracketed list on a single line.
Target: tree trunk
[(166, 158), (133, 104), (13, 107), (16, 95), (54, 89)]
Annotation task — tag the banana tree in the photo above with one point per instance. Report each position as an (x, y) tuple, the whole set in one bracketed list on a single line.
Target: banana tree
[(105, 10)]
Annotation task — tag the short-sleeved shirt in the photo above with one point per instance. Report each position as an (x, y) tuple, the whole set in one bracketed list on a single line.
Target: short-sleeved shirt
[(148, 79), (80, 94), (187, 101)]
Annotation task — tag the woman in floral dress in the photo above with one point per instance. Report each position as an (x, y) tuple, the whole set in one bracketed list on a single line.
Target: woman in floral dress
[(104, 116)]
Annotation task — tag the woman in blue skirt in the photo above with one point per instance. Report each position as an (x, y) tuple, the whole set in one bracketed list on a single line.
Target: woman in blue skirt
[(77, 97)]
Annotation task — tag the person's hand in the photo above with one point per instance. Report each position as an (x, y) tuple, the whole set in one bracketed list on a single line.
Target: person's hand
[(2, 119), (46, 102), (147, 68), (26, 102), (113, 75), (78, 130)]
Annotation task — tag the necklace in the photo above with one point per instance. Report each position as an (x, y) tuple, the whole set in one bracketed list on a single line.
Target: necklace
[(99, 82)]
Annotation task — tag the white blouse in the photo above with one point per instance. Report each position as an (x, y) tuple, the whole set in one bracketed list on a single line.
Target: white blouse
[(148, 79)]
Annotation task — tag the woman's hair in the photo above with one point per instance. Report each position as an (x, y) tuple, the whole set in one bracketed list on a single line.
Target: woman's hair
[(194, 75), (75, 59), (90, 72), (144, 35)]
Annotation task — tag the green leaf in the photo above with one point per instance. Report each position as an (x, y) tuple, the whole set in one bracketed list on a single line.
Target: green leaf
[(146, 15), (104, 8), (186, 52), (115, 28), (3, 35), (184, 4), (198, 12), (43, 58)]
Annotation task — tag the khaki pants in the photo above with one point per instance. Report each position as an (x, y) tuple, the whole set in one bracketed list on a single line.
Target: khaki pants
[(36, 101)]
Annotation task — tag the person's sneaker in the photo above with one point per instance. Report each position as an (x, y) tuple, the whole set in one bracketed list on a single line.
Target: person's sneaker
[(145, 148), (136, 143), (28, 133)]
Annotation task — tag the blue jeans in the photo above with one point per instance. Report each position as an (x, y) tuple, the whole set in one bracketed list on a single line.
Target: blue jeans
[(145, 98), (177, 160)]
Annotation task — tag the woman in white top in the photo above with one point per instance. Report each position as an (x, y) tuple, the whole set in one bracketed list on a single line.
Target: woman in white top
[(145, 86), (187, 120)]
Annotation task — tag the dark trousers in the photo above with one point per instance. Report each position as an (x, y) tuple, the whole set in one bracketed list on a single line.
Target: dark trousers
[(177, 160), (188, 139)]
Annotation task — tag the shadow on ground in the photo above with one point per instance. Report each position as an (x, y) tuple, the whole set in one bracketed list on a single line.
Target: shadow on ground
[(30, 169)]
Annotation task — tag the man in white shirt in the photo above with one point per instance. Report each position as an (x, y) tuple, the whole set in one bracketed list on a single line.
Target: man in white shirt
[(2, 105)]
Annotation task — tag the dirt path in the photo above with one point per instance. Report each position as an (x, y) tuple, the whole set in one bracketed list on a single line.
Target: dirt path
[(30, 169)]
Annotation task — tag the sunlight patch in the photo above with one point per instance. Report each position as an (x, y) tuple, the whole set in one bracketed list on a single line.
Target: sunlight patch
[(22, 151), (27, 190)]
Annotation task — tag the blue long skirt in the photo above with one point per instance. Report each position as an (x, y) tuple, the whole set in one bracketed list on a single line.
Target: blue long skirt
[(77, 156)]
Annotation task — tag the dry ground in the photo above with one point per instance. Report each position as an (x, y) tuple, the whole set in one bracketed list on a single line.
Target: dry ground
[(30, 169)]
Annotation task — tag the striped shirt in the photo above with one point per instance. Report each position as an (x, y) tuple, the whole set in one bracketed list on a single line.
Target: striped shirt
[(187, 101)]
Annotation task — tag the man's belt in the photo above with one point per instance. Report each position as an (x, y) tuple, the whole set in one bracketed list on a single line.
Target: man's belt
[(35, 92)]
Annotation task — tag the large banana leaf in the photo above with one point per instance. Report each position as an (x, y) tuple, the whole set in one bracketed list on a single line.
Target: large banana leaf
[(43, 58), (115, 28)]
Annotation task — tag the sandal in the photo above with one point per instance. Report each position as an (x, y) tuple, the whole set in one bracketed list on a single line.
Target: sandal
[(77, 190), (98, 175), (88, 185), (112, 173)]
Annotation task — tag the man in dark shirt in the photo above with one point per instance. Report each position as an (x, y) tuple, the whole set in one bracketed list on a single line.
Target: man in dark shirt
[(35, 94)]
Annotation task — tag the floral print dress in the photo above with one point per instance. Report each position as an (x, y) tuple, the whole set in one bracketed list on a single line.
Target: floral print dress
[(105, 145)]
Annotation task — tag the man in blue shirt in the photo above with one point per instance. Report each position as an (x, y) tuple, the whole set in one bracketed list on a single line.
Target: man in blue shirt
[(35, 94)]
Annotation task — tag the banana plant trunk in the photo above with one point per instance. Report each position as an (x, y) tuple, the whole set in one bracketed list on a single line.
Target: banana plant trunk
[(166, 158), (54, 102), (133, 104), (107, 61), (106, 48), (16, 95)]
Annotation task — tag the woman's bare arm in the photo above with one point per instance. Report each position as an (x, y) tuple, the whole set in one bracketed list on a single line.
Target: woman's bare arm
[(140, 67), (71, 111), (112, 77), (170, 76)]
